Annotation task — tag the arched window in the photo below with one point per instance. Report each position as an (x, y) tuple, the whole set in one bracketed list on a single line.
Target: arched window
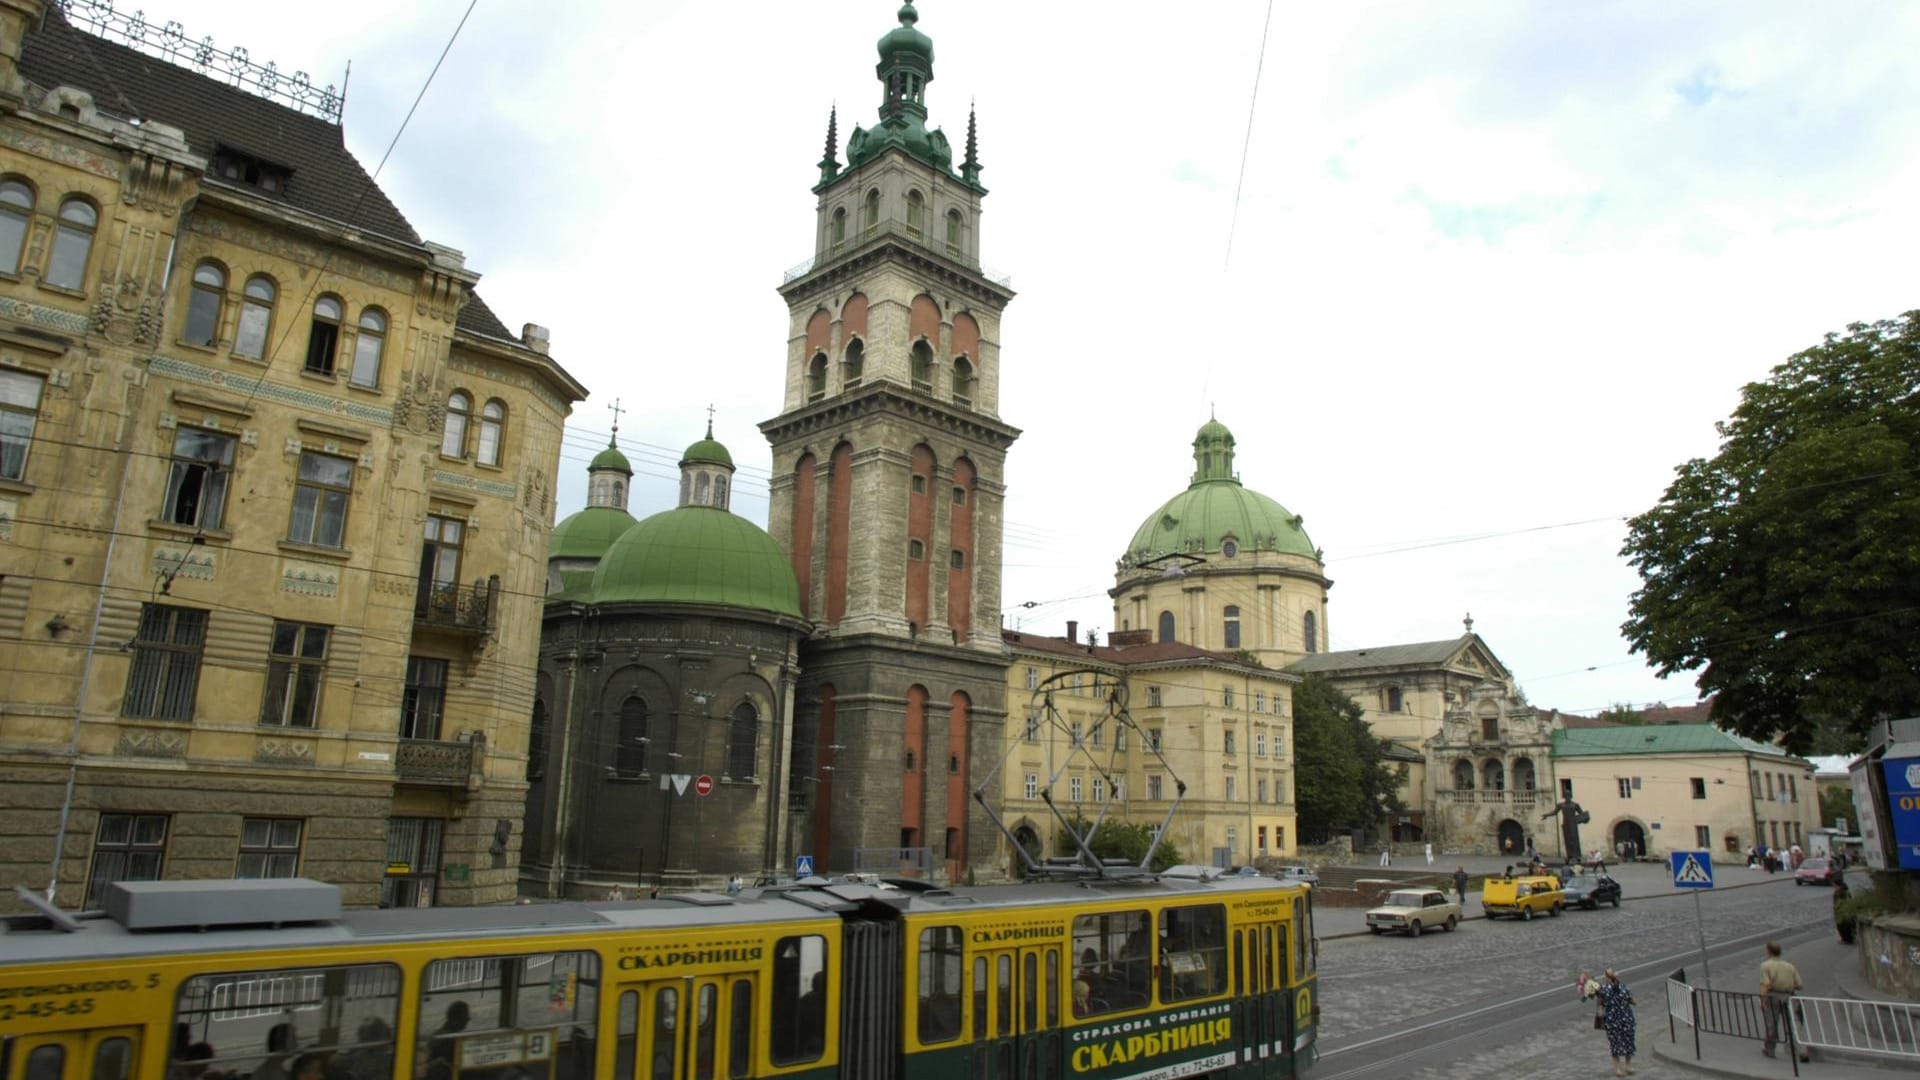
[(72, 243), (922, 365), (323, 338), (368, 348), (630, 755), (256, 317), (1230, 632), (537, 741), (916, 214), (1310, 631), (743, 733), (459, 411), (962, 381), (209, 292), (720, 491), (870, 213), (838, 234), (1523, 778), (1493, 776), (1462, 775), (700, 489), (817, 377), (1166, 626), (954, 227), (856, 364), (1395, 700), (493, 422), (16, 210)]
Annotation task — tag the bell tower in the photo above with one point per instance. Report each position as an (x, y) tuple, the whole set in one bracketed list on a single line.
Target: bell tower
[(887, 492)]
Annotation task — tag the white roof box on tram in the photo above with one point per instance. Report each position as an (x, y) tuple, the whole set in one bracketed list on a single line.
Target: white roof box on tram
[(157, 905)]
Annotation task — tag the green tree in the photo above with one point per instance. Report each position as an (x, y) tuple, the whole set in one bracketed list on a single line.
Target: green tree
[(1622, 713), (1341, 778), (1836, 802), (1785, 569), (1119, 839)]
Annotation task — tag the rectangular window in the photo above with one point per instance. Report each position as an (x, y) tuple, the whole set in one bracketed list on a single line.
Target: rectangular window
[(1073, 733), (1073, 786), (1699, 787), (1033, 679), (1153, 696), (1231, 781), (1259, 744), (801, 1034), (413, 843), (1260, 835), (1259, 701), (1703, 837), (1098, 734), (1490, 728), (1033, 727), (1113, 954), (424, 698), (440, 547), (1227, 740), (941, 967), (1119, 789), (1226, 696), (1119, 738), (19, 412), (127, 847), (1566, 789), (262, 1021), (1279, 838), (1193, 950), (1153, 739), (1099, 790), (1793, 788), (1626, 787), (1033, 786), (1153, 786), (296, 664), (1279, 790), (165, 674), (269, 848), (1260, 790), (197, 479), (480, 1008), (320, 500)]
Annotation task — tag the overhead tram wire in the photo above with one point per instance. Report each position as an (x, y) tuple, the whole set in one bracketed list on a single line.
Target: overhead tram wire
[(1239, 186)]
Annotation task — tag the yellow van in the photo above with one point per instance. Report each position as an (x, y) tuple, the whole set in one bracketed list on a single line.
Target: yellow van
[(1522, 897)]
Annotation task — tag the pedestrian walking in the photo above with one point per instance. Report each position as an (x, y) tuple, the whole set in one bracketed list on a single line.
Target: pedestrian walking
[(1614, 1015), (1460, 883), (1429, 854), (1842, 923), (1779, 981), (1386, 855)]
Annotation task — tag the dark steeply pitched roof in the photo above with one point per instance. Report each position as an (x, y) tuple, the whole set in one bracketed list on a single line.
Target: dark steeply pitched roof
[(1414, 655), (477, 318), (327, 180)]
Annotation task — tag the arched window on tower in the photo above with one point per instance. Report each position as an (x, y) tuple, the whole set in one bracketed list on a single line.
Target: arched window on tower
[(1462, 775), (1310, 632), (700, 489), (922, 365), (856, 364), (955, 226), (1166, 626), (838, 234), (630, 755), (817, 377), (916, 214), (1230, 631), (870, 212), (743, 733), (962, 381), (720, 491)]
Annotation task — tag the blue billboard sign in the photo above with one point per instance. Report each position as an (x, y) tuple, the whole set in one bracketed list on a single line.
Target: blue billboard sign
[(1903, 805)]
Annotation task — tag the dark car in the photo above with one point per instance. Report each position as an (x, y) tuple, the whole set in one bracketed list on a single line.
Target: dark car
[(1816, 871), (1591, 890)]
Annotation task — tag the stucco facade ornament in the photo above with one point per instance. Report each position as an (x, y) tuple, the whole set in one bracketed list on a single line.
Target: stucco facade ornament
[(145, 742)]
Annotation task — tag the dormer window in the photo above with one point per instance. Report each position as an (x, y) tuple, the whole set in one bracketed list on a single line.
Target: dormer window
[(237, 167)]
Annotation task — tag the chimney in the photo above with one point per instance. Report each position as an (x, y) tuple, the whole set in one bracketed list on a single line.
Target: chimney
[(1073, 630), (535, 337)]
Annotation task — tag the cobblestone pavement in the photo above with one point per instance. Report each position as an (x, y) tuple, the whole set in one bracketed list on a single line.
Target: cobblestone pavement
[(1372, 988)]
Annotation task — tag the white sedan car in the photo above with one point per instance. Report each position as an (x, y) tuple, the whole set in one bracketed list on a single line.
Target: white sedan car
[(1411, 911)]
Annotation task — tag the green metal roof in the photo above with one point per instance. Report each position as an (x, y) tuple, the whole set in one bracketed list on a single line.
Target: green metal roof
[(707, 449), (1414, 654), (906, 38), (610, 458), (588, 533), (1656, 739), (698, 555), (1215, 506)]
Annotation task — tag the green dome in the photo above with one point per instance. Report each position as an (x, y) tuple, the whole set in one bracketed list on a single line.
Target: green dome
[(905, 39), (610, 458), (698, 555), (1215, 507), (709, 450), (589, 533)]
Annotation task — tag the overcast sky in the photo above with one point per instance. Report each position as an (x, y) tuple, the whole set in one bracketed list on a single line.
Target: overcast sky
[(1497, 266)]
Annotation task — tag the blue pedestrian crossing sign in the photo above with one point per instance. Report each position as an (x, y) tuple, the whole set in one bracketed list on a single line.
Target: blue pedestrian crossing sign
[(803, 866), (1692, 869)]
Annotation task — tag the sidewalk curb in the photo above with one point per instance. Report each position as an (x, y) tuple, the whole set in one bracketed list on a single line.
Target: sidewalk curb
[(1464, 919)]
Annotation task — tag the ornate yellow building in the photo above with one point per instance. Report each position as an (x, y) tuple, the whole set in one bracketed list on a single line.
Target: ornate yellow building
[(1207, 719), (275, 493)]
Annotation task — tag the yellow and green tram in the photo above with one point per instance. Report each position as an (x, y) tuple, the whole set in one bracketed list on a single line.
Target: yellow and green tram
[(269, 980)]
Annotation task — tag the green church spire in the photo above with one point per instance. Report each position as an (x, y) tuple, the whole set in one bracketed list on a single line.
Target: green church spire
[(905, 69)]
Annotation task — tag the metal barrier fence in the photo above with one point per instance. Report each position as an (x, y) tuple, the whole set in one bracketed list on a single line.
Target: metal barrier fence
[(1735, 1014), (1861, 1027)]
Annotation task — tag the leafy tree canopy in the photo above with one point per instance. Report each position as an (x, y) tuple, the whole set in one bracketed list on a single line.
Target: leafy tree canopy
[(1836, 802), (1341, 778), (1120, 840), (1785, 570), (1623, 713)]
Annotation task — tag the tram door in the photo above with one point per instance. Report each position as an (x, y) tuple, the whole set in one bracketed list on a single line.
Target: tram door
[(1259, 1021), (685, 1029), (100, 1054), (1016, 1014)]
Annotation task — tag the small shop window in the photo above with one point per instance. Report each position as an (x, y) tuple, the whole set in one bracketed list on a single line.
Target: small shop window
[(280, 1020), (800, 992), (941, 969), (518, 1011), (1193, 952), (1114, 951)]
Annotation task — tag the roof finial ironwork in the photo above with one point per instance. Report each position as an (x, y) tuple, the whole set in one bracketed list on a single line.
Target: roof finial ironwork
[(616, 410), (709, 420), (1468, 622)]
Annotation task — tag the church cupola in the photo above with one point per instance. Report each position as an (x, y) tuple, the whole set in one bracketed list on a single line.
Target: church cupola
[(609, 475), (1213, 452), (905, 69), (706, 474)]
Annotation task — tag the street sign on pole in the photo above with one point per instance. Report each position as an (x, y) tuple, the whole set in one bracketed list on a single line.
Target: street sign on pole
[(680, 782), (1694, 870), (704, 785), (803, 866)]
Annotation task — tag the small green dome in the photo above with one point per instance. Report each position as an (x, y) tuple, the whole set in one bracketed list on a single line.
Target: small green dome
[(589, 533), (905, 38), (1215, 507), (1213, 429), (708, 450), (610, 458), (698, 555)]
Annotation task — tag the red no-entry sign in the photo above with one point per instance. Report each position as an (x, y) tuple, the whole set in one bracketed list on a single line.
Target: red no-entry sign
[(703, 785)]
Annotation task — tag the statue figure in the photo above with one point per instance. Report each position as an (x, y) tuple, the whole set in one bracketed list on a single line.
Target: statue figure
[(1571, 818)]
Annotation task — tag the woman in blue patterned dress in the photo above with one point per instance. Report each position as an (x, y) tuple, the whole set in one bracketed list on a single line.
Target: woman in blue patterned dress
[(1616, 1015)]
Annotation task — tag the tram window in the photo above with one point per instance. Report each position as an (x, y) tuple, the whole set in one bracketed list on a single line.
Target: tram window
[(1030, 991), (553, 998), (1193, 952), (1301, 932), (1114, 951), (740, 1037), (1240, 984), (1003, 1013), (1053, 988), (46, 1062), (623, 1047), (800, 991), (941, 968), (262, 1022), (979, 998), (707, 1019), (113, 1059), (666, 1012)]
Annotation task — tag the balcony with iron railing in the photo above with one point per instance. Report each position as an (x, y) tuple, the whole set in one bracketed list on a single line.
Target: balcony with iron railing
[(896, 230), (465, 610), (436, 763)]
